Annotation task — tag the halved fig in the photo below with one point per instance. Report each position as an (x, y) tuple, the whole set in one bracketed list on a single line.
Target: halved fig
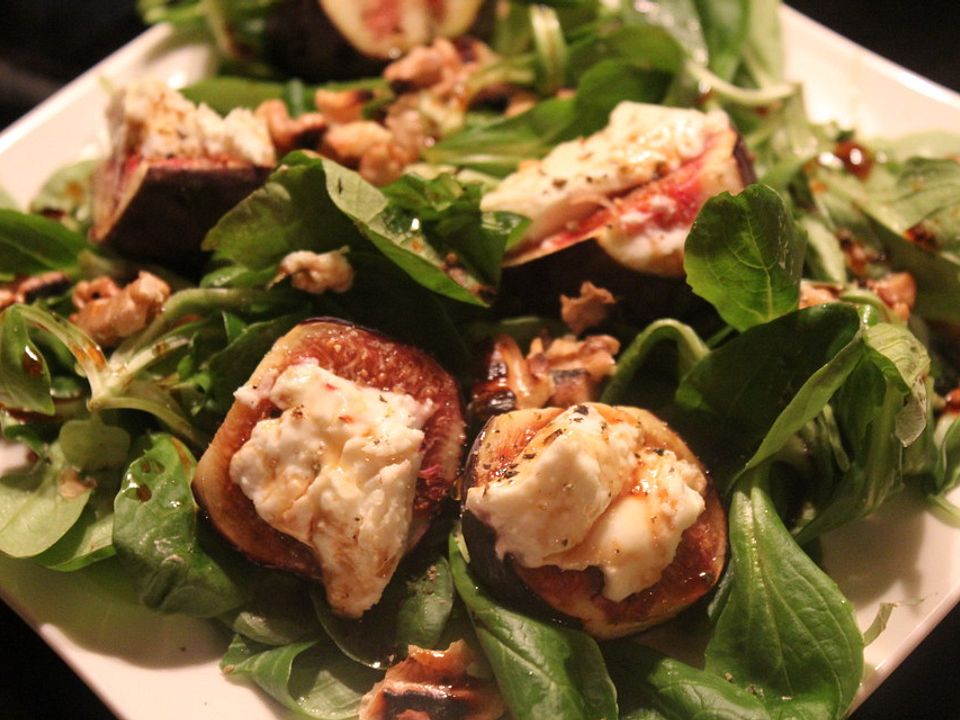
[(173, 171), (334, 458), (324, 39), (615, 208), (601, 514)]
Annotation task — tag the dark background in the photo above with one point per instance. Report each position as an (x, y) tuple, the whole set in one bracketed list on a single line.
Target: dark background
[(46, 43)]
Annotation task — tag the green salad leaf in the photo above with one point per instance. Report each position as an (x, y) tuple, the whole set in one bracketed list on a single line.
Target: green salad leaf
[(277, 611), (690, 350), (26, 377), (754, 392), (310, 677), (543, 671), (414, 610), (784, 630), (651, 686), (175, 561), (39, 505), (32, 244), (744, 255)]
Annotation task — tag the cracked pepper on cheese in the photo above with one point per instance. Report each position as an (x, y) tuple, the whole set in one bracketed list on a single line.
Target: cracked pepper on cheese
[(585, 492)]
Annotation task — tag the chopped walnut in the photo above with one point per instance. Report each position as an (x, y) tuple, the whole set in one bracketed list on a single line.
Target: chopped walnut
[(433, 92), (409, 130), (24, 289), (594, 354), (289, 133), (348, 143), (341, 106), (423, 66), (818, 293), (898, 292), (383, 163), (109, 314), (519, 103), (588, 309), (433, 684), (316, 273), (554, 373)]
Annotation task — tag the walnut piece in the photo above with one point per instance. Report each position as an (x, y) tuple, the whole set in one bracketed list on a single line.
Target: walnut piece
[(555, 373), (433, 684), (109, 314), (588, 309), (289, 133), (316, 272), (24, 289)]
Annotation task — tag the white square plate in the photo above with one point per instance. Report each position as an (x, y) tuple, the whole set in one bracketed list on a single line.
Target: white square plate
[(147, 666)]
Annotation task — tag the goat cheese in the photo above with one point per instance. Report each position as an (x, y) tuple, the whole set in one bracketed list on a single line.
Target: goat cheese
[(640, 144), (155, 121), (336, 470), (585, 493)]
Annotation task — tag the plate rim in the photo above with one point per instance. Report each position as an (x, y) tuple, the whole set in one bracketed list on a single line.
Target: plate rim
[(155, 37)]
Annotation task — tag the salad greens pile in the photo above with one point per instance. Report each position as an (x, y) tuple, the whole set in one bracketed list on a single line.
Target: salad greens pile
[(807, 418)]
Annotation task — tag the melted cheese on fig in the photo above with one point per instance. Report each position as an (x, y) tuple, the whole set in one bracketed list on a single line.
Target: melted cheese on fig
[(336, 470), (584, 493), (640, 143)]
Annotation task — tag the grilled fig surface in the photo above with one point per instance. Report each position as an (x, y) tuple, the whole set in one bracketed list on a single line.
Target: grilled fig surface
[(577, 596), (359, 356)]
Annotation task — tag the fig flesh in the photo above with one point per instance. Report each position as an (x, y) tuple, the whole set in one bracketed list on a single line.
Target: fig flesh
[(367, 360), (578, 595)]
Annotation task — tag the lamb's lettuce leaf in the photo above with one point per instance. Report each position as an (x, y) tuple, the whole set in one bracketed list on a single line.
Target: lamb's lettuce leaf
[(311, 203), (655, 686), (784, 629), (40, 504), (24, 375), (748, 397), (690, 350), (310, 677), (32, 244), (66, 195), (277, 611), (414, 610), (744, 255), (176, 562), (543, 671)]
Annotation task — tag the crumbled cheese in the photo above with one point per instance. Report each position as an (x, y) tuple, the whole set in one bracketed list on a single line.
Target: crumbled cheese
[(155, 121), (582, 494), (337, 471), (640, 144)]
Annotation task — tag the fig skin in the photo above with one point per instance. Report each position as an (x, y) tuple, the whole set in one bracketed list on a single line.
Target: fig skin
[(575, 596), (160, 210), (534, 277), (302, 41), (362, 356)]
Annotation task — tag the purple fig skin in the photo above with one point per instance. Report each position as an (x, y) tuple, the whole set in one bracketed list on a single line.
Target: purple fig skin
[(160, 210)]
